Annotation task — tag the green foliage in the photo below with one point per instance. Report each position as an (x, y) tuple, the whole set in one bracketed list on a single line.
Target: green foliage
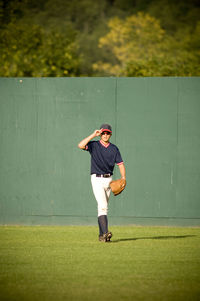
[(61, 38), (30, 51), (175, 15), (142, 48)]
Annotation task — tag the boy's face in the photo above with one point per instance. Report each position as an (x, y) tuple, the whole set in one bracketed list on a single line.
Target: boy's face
[(105, 136)]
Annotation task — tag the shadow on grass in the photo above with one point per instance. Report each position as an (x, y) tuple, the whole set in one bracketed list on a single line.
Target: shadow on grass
[(154, 237)]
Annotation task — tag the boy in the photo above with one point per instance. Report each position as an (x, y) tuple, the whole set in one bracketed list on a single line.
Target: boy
[(104, 155)]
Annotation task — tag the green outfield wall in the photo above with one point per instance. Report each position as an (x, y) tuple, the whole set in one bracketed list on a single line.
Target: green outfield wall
[(44, 177)]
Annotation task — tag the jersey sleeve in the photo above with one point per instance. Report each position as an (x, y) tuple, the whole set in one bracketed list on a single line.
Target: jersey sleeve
[(89, 146), (118, 159)]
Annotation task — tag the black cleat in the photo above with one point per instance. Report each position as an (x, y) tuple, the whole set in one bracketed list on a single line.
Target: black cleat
[(105, 237), (102, 238), (108, 236)]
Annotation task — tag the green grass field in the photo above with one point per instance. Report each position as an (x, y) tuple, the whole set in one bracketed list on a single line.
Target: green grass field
[(69, 263)]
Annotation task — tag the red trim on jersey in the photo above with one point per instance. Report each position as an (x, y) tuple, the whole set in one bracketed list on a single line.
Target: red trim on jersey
[(120, 163), (105, 145)]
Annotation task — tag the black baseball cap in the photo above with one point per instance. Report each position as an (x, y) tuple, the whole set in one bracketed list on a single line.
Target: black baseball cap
[(106, 127)]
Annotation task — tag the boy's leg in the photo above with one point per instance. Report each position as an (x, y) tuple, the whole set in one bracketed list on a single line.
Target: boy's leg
[(101, 192)]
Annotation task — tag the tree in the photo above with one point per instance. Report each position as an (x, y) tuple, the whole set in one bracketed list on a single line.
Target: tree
[(140, 47), (31, 51), (60, 38)]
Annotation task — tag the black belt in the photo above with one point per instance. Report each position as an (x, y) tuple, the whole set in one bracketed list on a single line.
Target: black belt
[(107, 175)]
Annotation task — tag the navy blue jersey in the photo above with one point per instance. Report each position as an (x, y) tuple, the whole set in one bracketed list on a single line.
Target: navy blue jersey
[(103, 157)]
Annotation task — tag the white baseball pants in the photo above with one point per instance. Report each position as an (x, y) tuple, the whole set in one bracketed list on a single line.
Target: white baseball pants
[(101, 190)]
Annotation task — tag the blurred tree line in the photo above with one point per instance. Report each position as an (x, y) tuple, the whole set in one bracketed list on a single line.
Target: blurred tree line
[(99, 38)]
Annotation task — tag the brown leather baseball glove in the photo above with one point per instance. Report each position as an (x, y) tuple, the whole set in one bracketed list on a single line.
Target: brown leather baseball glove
[(117, 186)]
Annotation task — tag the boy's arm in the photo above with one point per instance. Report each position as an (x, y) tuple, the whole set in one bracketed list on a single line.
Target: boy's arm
[(85, 141), (122, 171)]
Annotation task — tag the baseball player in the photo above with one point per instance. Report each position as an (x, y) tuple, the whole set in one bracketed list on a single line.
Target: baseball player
[(104, 156)]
